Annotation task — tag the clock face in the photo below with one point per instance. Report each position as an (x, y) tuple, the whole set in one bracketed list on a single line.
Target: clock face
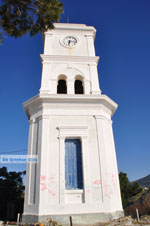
[(69, 41)]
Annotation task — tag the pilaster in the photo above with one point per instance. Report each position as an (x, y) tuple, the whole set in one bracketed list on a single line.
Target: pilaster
[(90, 43), (61, 169), (109, 173), (44, 161), (86, 170), (94, 80), (116, 182), (31, 190), (47, 40), (28, 175), (102, 149), (45, 88), (70, 86)]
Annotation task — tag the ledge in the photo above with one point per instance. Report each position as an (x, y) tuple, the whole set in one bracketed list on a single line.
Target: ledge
[(65, 59), (70, 27), (69, 100)]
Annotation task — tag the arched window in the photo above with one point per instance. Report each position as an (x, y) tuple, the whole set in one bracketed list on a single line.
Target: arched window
[(61, 87), (78, 87), (73, 164)]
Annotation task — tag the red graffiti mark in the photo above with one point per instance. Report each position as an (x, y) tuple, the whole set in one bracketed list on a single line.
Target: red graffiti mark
[(88, 190), (51, 178), (43, 177), (114, 186), (43, 188), (51, 192), (97, 182), (113, 182), (106, 191), (52, 181)]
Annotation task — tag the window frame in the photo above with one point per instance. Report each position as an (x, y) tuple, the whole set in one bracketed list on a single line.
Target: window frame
[(75, 132), (80, 155)]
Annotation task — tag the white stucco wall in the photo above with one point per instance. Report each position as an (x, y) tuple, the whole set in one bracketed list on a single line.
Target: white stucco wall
[(79, 60), (54, 117), (92, 124)]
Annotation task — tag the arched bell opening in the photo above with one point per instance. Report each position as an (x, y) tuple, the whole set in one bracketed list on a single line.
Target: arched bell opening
[(78, 85), (62, 85)]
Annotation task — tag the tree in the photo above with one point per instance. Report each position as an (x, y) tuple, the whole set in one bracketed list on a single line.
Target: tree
[(128, 189), (17, 17), (124, 186), (11, 189)]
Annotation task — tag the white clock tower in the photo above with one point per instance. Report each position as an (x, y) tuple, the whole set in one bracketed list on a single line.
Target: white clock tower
[(71, 132)]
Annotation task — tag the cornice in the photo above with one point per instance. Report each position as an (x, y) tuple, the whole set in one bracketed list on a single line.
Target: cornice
[(74, 59), (42, 101), (60, 28)]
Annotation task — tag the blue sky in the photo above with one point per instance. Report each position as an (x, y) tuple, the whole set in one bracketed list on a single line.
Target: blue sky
[(123, 44)]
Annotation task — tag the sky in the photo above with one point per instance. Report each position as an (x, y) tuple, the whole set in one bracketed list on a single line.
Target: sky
[(123, 44)]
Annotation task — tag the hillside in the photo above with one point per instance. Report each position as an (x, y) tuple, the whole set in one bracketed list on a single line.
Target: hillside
[(145, 181), (140, 201)]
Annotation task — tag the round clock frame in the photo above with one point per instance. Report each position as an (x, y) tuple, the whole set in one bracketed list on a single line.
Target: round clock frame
[(69, 41)]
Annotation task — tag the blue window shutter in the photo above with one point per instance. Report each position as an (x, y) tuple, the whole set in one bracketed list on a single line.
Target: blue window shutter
[(73, 164)]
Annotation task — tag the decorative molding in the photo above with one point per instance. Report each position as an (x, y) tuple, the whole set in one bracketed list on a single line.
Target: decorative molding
[(61, 137), (101, 117), (39, 118), (48, 35), (32, 121), (73, 72), (43, 117), (70, 98), (80, 29), (89, 36), (74, 59), (73, 131), (47, 101), (69, 66)]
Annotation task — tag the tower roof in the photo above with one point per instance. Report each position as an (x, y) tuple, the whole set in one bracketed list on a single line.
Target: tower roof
[(70, 27)]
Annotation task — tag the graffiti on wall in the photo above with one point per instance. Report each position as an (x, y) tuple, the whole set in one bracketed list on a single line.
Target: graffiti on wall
[(48, 184)]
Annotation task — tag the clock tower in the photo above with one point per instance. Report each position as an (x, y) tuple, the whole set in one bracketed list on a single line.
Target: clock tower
[(71, 133)]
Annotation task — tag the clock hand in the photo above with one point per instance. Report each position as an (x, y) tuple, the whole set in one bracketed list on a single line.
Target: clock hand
[(69, 41)]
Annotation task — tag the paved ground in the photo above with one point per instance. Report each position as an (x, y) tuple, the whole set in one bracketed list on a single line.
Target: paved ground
[(124, 221), (127, 221)]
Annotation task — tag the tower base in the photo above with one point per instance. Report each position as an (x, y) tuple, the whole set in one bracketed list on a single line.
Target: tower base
[(78, 219)]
